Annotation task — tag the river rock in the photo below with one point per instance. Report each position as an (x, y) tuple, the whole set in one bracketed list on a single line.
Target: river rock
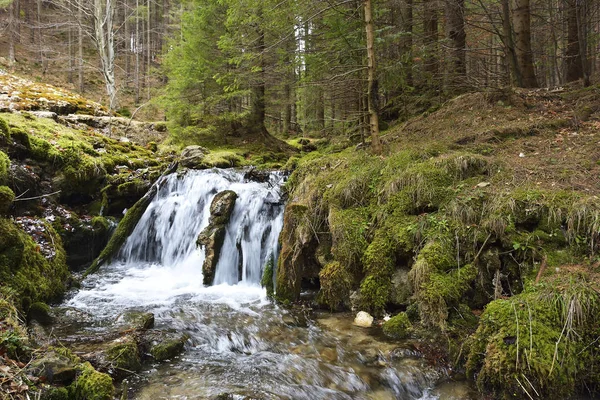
[(401, 288), (164, 345), (212, 237), (363, 319), (136, 320), (193, 156), (123, 356), (54, 368)]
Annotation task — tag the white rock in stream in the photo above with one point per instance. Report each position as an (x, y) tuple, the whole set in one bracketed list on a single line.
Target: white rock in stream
[(363, 319)]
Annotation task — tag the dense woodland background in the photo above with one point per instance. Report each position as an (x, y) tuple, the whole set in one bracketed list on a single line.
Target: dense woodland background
[(296, 67)]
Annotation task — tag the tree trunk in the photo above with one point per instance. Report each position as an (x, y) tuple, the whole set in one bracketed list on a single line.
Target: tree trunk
[(11, 34), (105, 42), (372, 95), (407, 39), (509, 45), (522, 25), (455, 31), (430, 32), (257, 119), (137, 52), (573, 65), (80, 47), (582, 13)]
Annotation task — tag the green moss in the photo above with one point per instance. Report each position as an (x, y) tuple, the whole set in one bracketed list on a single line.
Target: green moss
[(374, 293), (7, 196), (4, 166), (378, 258), (336, 283), (439, 254), (267, 277), (23, 268), (349, 229), (168, 349), (123, 230), (543, 337), (20, 136), (40, 312), (4, 129), (222, 159), (436, 291), (398, 326), (293, 238), (92, 385), (124, 355), (55, 393)]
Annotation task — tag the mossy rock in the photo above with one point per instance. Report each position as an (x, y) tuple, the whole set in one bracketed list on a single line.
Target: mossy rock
[(40, 312), (267, 280), (397, 327), (53, 367), (4, 167), (137, 320), (91, 384), (168, 347), (336, 284), (7, 197), (525, 339), (4, 130), (55, 393), (21, 137), (28, 272), (123, 355)]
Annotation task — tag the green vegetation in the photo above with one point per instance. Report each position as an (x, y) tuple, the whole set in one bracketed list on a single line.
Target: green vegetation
[(7, 196), (540, 340), (24, 269), (398, 326), (268, 276), (82, 159), (124, 355), (168, 348), (4, 165), (91, 385)]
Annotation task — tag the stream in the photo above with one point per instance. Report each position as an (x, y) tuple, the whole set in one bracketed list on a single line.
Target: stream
[(241, 345)]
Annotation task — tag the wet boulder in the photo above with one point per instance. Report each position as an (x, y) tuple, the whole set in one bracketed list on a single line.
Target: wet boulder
[(193, 157), (212, 237), (83, 237), (136, 320), (54, 368), (164, 345), (401, 289), (123, 356), (6, 199)]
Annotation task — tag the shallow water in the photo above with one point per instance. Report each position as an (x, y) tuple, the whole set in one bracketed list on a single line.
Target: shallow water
[(240, 343)]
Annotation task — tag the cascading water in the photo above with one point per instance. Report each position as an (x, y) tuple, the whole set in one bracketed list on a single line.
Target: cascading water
[(240, 343)]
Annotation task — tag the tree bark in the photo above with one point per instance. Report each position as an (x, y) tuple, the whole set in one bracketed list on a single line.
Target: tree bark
[(582, 12), (522, 25), (257, 118), (11, 34), (509, 45), (104, 12), (573, 65), (455, 31), (430, 32), (372, 92), (407, 39), (80, 47)]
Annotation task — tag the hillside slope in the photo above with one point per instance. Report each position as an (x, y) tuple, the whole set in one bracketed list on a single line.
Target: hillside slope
[(489, 204)]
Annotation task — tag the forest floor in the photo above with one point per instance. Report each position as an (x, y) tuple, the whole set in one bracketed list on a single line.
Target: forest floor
[(547, 138)]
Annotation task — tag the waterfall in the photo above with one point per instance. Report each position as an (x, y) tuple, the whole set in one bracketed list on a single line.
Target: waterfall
[(167, 232)]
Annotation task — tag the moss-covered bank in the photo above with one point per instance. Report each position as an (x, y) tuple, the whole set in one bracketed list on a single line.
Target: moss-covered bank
[(452, 233)]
